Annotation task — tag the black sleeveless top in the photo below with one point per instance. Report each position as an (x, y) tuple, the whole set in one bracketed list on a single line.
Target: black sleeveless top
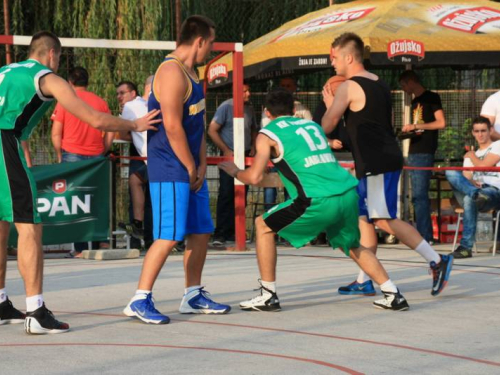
[(373, 143)]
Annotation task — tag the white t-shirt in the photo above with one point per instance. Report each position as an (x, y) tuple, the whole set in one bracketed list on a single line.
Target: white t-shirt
[(133, 110), (490, 178), (491, 107)]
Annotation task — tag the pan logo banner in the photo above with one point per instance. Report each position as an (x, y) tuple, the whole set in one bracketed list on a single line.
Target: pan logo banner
[(406, 49), (467, 19), (324, 22)]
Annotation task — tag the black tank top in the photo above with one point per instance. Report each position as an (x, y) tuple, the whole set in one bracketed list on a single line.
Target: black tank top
[(373, 143)]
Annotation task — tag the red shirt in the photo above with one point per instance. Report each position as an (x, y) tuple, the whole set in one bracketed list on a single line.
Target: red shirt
[(78, 137)]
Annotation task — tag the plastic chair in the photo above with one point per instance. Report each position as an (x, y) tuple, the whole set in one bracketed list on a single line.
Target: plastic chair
[(460, 212)]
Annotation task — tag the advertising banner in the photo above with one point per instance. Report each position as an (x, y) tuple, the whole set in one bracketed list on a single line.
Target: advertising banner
[(73, 201)]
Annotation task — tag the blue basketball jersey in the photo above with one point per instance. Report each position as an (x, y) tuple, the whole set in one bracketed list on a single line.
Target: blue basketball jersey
[(163, 164)]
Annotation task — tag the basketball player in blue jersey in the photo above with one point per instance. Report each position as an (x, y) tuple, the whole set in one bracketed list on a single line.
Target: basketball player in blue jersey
[(176, 168)]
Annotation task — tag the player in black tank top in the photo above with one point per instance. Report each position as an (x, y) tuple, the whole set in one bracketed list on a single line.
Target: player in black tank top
[(374, 144)]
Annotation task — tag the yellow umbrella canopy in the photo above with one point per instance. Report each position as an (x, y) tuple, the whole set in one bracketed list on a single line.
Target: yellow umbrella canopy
[(424, 32)]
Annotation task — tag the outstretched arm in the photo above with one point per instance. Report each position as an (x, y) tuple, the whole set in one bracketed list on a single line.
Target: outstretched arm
[(254, 174), (53, 85)]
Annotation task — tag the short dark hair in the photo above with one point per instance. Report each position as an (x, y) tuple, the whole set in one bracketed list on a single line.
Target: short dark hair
[(79, 77), (409, 75), (43, 42), (482, 120), (279, 102), (194, 27), (353, 41), (130, 85)]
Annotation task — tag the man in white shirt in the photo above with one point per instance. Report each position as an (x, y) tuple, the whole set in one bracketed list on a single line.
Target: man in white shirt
[(134, 108), (476, 191), (491, 110)]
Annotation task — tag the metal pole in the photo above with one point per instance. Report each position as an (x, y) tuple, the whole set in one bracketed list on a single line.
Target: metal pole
[(239, 146), (406, 149), (6, 20)]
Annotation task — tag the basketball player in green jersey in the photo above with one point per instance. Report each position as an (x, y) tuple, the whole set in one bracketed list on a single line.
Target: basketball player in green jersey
[(323, 198), (27, 89)]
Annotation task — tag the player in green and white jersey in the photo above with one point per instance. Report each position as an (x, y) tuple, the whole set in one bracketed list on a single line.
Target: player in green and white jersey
[(323, 198), (26, 91)]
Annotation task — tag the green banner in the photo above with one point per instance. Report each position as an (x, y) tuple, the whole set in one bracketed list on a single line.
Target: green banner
[(73, 201)]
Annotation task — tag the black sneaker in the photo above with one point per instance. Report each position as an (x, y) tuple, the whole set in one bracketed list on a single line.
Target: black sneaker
[(132, 230), (441, 273), (462, 252), (267, 301), (481, 200), (9, 314), (180, 247), (42, 321), (392, 301), (219, 241)]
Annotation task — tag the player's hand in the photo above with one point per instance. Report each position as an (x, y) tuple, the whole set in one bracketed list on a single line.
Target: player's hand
[(327, 96), (408, 128), (200, 178), (145, 123), (229, 167), (193, 173), (336, 144)]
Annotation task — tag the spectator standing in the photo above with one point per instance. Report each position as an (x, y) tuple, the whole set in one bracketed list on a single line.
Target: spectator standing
[(476, 191), (221, 132), (428, 118), (75, 140)]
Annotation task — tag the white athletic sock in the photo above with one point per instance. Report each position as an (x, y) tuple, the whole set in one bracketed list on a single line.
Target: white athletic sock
[(140, 294), (362, 277), (389, 286), (3, 295), (271, 285), (34, 302), (427, 252), (191, 289)]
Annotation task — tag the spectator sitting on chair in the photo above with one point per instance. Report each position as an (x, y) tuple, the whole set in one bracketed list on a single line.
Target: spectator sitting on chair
[(428, 118), (140, 227), (476, 191), (75, 140), (220, 131)]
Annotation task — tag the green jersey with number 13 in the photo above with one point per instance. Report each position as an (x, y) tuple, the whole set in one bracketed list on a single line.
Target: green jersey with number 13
[(306, 163)]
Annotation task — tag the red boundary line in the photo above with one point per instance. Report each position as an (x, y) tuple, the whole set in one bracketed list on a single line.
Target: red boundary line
[(301, 359)]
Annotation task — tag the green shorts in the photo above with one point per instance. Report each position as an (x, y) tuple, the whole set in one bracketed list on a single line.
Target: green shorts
[(17, 187), (301, 220)]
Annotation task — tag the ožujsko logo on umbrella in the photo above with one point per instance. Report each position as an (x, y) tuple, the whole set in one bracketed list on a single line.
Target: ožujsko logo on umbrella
[(406, 48), (467, 19), (217, 71), (66, 200), (325, 22)]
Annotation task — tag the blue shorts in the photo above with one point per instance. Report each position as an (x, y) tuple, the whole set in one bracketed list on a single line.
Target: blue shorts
[(178, 211), (378, 196)]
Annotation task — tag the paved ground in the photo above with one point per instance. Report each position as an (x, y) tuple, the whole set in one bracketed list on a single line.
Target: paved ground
[(317, 332)]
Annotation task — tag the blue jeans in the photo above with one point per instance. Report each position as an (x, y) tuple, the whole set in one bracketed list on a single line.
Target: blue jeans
[(69, 157), (420, 184), (464, 190)]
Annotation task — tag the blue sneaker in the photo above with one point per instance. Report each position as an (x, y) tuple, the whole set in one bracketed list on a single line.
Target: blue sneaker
[(441, 273), (144, 309), (355, 288), (199, 302)]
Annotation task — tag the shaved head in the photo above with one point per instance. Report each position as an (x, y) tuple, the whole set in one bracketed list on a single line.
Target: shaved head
[(352, 44), (44, 41)]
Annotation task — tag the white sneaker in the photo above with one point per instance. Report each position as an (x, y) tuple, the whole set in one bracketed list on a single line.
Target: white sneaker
[(267, 301)]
